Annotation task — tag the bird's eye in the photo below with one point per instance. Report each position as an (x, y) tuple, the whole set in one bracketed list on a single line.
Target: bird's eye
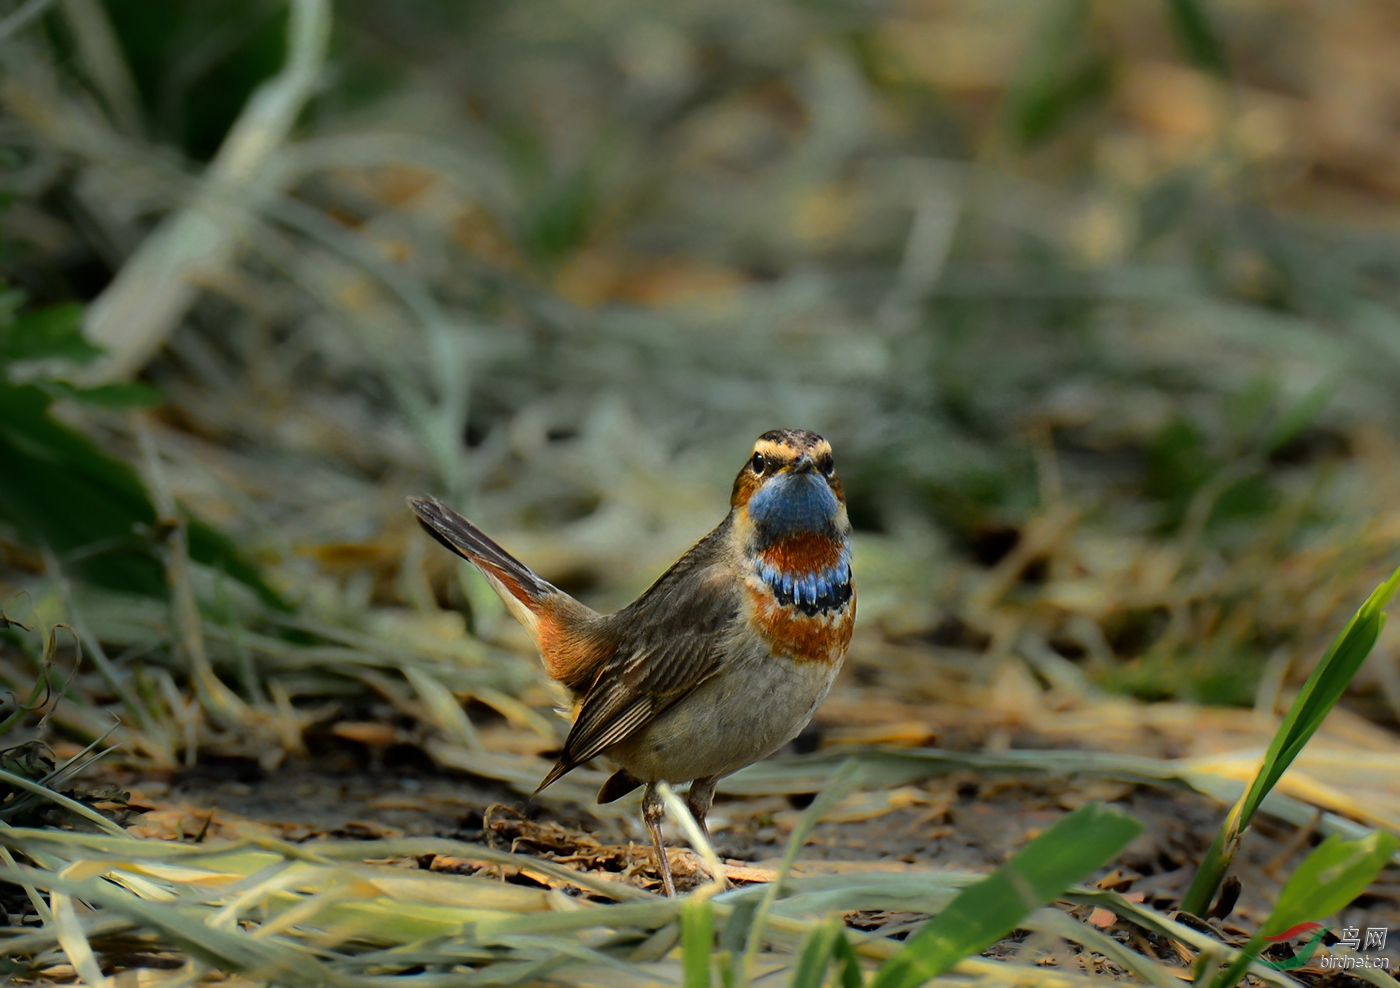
[(826, 465), (758, 464)]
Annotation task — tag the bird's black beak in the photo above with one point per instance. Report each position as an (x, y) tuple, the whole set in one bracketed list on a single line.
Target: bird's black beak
[(804, 465)]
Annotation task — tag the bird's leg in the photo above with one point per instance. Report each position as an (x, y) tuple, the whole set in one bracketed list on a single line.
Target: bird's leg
[(653, 809), (699, 800)]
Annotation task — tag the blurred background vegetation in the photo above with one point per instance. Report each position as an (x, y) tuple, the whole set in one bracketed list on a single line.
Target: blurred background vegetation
[(1096, 301)]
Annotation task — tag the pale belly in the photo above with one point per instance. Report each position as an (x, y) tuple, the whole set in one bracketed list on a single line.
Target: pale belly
[(743, 714)]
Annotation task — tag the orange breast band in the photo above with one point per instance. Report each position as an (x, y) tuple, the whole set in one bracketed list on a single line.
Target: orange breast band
[(805, 637), (808, 552)]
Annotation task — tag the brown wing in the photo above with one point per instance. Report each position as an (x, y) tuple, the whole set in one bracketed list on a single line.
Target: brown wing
[(668, 642)]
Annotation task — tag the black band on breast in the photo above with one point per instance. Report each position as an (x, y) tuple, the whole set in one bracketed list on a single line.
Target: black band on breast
[(811, 593), (829, 598)]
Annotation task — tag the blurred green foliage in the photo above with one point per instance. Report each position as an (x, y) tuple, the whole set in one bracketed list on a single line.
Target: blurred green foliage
[(59, 489)]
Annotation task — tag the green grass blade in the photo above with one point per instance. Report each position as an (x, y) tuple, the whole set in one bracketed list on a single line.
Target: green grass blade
[(824, 944), (1325, 883), (86, 812), (845, 954), (847, 777), (1197, 38), (1299, 416), (31, 703), (983, 913), (1330, 878), (814, 955), (736, 928), (1060, 74), (1329, 680), (697, 941), (1322, 691)]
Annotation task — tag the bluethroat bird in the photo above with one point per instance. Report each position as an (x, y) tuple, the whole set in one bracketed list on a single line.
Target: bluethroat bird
[(724, 660)]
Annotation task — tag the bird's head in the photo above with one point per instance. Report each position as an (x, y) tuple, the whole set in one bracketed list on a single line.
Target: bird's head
[(789, 486)]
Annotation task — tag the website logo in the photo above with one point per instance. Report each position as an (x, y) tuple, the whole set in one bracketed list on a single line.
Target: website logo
[(1351, 938)]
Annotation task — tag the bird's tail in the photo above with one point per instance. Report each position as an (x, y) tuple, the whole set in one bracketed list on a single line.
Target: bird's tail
[(522, 590), (564, 630)]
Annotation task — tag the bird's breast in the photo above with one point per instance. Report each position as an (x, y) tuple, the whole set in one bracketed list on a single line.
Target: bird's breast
[(802, 598)]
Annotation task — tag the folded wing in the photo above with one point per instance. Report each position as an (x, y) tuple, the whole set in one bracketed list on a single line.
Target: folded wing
[(672, 639)]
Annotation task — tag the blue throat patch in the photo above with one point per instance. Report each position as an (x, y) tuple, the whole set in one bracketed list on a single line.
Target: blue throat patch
[(792, 503)]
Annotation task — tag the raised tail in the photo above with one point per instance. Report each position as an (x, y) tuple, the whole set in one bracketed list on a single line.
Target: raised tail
[(563, 629), (523, 591)]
